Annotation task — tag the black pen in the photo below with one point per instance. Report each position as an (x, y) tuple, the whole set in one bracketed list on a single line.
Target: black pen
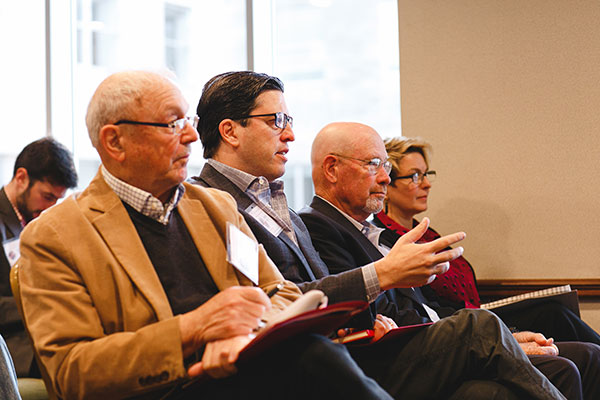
[(276, 289)]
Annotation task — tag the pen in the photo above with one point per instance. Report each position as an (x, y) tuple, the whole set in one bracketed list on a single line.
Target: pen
[(276, 289), (270, 293)]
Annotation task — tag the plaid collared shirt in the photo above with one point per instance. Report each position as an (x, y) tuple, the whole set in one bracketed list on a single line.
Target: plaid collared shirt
[(142, 201), (269, 196)]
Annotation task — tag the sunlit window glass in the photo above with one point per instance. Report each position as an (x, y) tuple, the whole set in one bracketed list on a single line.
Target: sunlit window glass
[(181, 35), (23, 78), (339, 62)]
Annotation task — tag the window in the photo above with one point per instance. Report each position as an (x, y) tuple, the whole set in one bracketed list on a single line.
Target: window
[(176, 39), (96, 36), (338, 60), (23, 79)]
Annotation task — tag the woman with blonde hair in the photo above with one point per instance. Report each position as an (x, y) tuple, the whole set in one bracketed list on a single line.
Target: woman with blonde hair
[(407, 196)]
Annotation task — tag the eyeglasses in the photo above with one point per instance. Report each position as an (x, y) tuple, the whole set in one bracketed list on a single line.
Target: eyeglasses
[(372, 165), (178, 125), (417, 177), (281, 119)]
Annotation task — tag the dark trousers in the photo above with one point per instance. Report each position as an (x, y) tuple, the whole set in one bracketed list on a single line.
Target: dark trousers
[(577, 362), (458, 354), (310, 367), (553, 320)]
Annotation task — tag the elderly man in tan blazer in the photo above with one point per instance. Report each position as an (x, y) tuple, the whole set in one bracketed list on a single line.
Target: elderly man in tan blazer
[(125, 282)]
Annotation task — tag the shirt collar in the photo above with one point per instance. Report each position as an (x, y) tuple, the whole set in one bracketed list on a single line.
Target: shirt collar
[(357, 224), (367, 228), (142, 201), (244, 180), (239, 178)]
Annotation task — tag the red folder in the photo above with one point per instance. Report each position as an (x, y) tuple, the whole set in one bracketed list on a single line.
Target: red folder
[(320, 321), (392, 334)]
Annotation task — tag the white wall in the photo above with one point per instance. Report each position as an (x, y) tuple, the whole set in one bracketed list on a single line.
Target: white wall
[(508, 93)]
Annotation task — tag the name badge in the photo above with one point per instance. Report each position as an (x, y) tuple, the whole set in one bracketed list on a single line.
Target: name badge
[(11, 249), (242, 252), (265, 220)]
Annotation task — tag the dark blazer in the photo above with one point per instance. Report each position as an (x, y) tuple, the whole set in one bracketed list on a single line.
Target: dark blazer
[(11, 327), (342, 247), (300, 263)]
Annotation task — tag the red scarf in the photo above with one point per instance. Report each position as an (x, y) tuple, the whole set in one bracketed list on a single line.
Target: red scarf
[(458, 284)]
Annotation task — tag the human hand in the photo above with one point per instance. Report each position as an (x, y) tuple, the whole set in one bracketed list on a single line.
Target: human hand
[(382, 326), (218, 360), (411, 264), (536, 343), (232, 312)]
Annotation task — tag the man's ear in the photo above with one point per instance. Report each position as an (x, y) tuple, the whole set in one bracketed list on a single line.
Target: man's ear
[(110, 140), (229, 131), (331, 168), (21, 179)]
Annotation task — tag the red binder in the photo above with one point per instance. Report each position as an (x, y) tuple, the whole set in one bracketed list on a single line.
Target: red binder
[(365, 338), (320, 321)]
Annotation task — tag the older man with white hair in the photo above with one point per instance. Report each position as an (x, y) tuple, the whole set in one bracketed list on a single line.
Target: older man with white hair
[(126, 287)]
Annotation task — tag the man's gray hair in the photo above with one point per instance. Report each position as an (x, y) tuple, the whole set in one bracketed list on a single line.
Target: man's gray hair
[(118, 96)]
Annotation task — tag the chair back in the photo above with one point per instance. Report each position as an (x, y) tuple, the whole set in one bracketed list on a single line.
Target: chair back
[(9, 389), (16, 290)]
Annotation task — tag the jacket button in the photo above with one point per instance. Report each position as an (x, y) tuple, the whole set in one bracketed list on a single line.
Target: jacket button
[(163, 376)]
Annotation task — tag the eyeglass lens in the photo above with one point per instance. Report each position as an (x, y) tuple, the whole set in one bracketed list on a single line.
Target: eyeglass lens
[(418, 177), (179, 124), (282, 119)]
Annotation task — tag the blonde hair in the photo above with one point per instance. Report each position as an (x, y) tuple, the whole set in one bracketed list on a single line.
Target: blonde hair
[(398, 147)]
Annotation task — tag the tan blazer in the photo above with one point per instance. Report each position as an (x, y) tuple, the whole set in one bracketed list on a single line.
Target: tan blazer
[(93, 302)]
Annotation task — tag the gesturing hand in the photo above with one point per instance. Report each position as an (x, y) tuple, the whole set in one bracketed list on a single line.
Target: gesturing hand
[(411, 264)]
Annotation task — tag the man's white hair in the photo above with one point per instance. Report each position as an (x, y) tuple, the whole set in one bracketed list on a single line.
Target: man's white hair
[(117, 97)]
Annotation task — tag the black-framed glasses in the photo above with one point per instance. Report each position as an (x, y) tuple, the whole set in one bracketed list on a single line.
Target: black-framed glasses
[(178, 125), (281, 119), (372, 165), (417, 177)]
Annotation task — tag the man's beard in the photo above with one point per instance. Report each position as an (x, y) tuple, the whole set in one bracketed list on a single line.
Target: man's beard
[(373, 205), (22, 205)]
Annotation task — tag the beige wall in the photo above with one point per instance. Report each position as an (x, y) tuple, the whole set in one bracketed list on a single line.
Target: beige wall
[(508, 93)]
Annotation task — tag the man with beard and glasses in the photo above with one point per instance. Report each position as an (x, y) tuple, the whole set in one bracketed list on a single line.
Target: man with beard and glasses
[(43, 172)]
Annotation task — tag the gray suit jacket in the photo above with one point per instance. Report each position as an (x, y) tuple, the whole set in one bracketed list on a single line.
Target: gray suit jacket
[(11, 327), (300, 263)]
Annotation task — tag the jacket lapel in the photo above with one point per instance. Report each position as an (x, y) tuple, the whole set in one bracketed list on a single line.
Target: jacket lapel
[(9, 218), (213, 178), (206, 233), (296, 250), (372, 251), (110, 218), (331, 212)]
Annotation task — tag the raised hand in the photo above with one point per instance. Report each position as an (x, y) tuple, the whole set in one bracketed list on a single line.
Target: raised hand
[(411, 264)]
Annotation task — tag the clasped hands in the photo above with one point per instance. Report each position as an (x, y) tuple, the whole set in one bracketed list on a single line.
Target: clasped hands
[(536, 344)]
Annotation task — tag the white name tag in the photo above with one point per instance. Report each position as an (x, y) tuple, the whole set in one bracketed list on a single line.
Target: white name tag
[(242, 252), (265, 219), (11, 249)]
